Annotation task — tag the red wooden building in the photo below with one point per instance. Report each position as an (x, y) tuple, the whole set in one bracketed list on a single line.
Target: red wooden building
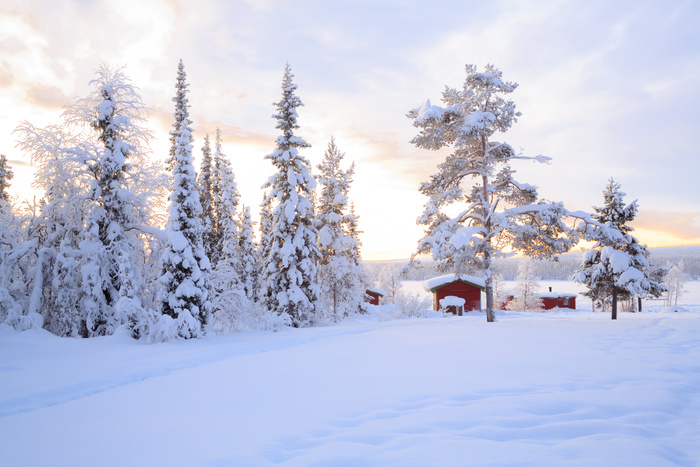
[(457, 285), (374, 295), (552, 300)]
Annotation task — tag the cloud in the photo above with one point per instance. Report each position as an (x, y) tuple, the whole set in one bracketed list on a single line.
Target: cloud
[(18, 163), (231, 134), (48, 97), (683, 225)]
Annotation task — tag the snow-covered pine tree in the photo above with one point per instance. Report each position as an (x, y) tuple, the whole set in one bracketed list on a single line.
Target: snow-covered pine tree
[(6, 214), (228, 267), (94, 170), (289, 269), (340, 275), (205, 181), (8, 303), (497, 211), (185, 282), (226, 199), (249, 272), (617, 267), (525, 298), (352, 223), (6, 174), (116, 117)]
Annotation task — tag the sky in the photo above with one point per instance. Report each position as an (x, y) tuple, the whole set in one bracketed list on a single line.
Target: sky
[(606, 89)]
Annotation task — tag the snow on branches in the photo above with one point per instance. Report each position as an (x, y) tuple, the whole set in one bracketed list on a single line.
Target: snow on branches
[(497, 211), (100, 189), (618, 266), (341, 276), (185, 282), (289, 274)]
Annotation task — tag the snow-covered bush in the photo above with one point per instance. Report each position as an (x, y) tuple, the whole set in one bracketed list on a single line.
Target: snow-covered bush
[(234, 312)]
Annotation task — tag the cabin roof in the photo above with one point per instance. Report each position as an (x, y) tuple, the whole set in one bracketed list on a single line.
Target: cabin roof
[(433, 284), (377, 290), (555, 295)]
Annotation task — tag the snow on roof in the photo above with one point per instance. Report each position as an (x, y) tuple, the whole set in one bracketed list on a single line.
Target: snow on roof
[(440, 281), (555, 294), (377, 290)]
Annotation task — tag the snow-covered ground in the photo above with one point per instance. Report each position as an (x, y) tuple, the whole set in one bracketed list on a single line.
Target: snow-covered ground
[(555, 388)]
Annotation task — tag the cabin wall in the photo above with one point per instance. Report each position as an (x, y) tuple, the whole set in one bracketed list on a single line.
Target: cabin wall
[(373, 298), (470, 294), (559, 302)]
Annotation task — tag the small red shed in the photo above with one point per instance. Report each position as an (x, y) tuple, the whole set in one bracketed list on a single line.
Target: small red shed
[(374, 295), (552, 300), (457, 285)]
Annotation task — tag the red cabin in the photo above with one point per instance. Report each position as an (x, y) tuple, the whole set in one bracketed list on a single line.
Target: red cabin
[(552, 300), (457, 285), (374, 295)]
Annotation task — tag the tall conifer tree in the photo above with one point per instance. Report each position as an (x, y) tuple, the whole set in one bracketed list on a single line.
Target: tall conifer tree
[(185, 293), (341, 277), (289, 273), (618, 267), (206, 182), (249, 272)]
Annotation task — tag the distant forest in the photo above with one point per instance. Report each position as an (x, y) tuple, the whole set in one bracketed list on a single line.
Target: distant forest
[(562, 269)]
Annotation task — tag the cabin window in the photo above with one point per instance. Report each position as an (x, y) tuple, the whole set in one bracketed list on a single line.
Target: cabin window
[(566, 301)]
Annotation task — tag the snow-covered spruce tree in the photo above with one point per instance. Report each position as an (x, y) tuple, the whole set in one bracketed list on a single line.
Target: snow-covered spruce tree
[(289, 268), (340, 274), (228, 268), (617, 268), (100, 187), (265, 227), (496, 210), (116, 117), (205, 180), (525, 298), (352, 224), (249, 272), (226, 199), (8, 302), (185, 283), (6, 174), (6, 214)]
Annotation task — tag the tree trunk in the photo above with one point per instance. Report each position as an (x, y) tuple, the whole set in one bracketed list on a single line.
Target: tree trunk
[(639, 303), (614, 302), (490, 314), (335, 301)]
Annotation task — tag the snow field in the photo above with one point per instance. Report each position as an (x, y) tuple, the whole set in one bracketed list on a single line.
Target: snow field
[(532, 389)]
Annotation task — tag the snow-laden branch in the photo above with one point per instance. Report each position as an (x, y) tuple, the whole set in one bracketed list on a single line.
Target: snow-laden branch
[(159, 234)]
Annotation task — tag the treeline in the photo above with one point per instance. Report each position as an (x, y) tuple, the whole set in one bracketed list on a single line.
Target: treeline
[(563, 269), (100, 250)]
